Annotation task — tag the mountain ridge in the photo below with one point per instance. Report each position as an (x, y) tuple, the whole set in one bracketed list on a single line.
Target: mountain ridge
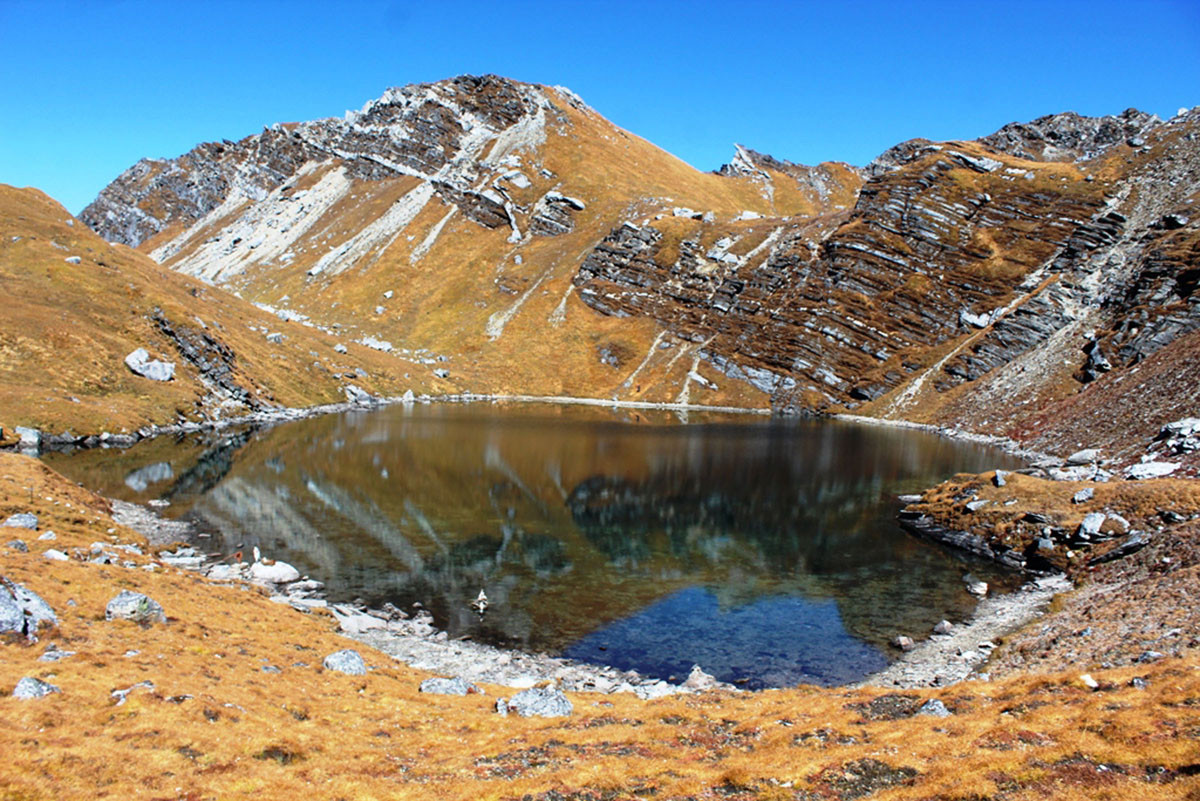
[(503, 227)]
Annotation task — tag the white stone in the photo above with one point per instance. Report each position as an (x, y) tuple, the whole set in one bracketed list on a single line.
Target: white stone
[(1152, 470), (275, 573)]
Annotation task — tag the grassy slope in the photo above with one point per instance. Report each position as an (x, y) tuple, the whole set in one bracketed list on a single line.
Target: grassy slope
[(68, 327), (216, 726)]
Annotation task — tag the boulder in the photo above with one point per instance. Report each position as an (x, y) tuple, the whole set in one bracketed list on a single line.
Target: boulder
[(934, 708), (1086, 456), (140, 363), (1091, 523), (904, 643), (543, 702), (1146, 470), (357, 395), (22, 520), (22, 611), (134, 606), (1000, 479), (54, 555), (347, 661), (274, 573), (1084, 495), (447, 686), (944, 627), (699, 680), (29, 688)]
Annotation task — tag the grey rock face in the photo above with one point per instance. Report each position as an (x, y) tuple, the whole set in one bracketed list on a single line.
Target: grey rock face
[(1069, 136), (136, 607), (29, 688), (22, 520), (544, 702), (448, 686), (347, 661)]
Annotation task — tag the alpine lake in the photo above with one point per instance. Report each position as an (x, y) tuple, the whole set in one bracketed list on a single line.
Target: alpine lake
[(765, 550)]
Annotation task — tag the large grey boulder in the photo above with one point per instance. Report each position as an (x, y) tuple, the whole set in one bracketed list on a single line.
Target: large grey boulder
[(22, 611), (542, 702), (134, 606), (140, 363), (29, 688), (1146, 470), (1086, 456), (22, 520), (348, 661)]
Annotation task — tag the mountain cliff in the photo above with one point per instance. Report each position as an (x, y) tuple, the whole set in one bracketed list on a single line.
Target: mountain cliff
[(495, 236)]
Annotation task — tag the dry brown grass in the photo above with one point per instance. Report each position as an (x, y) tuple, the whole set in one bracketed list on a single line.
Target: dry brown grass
[(67, 329), (216, 726)]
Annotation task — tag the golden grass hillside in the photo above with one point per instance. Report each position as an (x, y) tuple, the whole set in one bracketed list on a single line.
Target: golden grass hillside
[(215, 725), (75, 306)]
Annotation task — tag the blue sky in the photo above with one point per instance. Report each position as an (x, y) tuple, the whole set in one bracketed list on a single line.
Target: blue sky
[(87, 88)]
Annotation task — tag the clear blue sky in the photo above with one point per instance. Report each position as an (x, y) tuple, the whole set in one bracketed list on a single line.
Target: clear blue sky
[(87, 88)]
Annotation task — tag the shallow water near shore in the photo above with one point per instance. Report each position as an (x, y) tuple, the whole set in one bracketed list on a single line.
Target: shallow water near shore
[(765, 550)]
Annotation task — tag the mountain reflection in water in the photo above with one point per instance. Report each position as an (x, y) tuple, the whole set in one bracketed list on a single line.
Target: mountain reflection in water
[(764, 550)]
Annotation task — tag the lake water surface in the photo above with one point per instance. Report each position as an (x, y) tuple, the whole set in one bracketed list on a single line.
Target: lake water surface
[(765, 550)]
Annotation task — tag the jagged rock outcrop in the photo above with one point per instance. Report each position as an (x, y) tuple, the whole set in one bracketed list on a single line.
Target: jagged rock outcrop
[(1070, 136)]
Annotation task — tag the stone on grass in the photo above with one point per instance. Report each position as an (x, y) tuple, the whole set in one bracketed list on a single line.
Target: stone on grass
[(49, 535), (1092, 522), (1000, 478), (1084, 495), (134, 606), (935, 708), (140, 363), (447, 686), (1086, 456), (22, 611), (53, 555), (347, 661), (17, 545), (22, 520), (1145, 470), (542, 702), (29, 688)]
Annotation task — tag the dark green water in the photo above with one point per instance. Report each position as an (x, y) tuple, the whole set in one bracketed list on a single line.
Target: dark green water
[(764, 550)]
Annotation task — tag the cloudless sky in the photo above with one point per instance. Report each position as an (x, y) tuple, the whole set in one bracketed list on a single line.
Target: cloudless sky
[(87, 88)]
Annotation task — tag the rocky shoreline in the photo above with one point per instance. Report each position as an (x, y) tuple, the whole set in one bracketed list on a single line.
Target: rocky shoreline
[(411, 639)]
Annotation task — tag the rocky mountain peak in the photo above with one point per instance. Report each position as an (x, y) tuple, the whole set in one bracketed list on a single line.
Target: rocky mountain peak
[(433, 131), (1069, 136)]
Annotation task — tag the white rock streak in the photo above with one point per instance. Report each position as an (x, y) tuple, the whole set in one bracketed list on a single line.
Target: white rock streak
[(395, 219)]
